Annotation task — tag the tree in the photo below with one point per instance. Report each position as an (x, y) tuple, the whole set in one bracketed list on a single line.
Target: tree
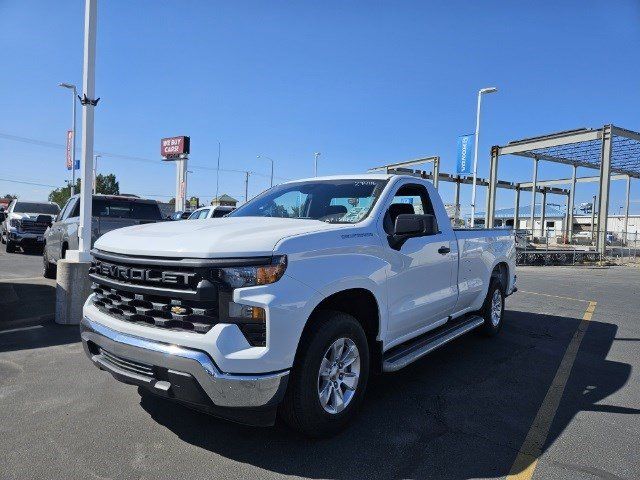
[(62, 194), (10, 196), (106, 184)]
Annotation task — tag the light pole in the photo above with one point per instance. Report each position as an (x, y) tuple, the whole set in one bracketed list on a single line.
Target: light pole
[(95, 173), (475, 153), (268, 158), (315, 164), (74, 92)]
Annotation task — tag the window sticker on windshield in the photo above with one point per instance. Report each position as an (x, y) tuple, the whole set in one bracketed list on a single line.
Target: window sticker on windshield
[(355, 214)]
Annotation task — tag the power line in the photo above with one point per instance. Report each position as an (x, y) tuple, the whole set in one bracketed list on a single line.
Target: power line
[(44, 143), (26, 182)]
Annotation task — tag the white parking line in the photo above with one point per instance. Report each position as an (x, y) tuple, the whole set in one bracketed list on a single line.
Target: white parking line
[(22, 329), (7, 280)]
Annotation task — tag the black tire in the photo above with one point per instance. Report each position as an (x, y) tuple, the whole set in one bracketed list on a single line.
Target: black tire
[(301, 408), (48, 268), (490, 327), (10, 246)]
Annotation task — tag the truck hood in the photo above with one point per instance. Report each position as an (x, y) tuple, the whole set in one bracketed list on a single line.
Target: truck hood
[(211, 238)]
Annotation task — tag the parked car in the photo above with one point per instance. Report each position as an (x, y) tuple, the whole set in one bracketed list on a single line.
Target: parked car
[(110, 212), (180, 215), (291, 301), (25, 223), (210, 212)]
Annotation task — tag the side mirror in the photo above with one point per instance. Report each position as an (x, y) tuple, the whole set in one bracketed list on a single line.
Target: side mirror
[(412, 225)]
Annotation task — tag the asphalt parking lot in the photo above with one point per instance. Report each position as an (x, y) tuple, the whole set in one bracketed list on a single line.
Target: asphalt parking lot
[(477, 408)]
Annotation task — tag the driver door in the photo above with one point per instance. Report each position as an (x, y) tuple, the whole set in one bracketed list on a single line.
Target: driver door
[(421, 281)]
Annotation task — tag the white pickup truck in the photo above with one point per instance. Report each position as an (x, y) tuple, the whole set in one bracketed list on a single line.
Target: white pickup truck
[(291, 302)]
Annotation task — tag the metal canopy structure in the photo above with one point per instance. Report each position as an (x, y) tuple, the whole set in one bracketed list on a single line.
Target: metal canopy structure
[(583, 148), (400, 168), (612, 150)]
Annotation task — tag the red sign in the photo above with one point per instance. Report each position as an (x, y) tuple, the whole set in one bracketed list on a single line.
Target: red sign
[(174, 146), (69, 149)]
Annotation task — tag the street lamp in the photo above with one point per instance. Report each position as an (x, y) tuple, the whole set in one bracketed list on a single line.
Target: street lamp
[(475, 153), (95, 171), (74, 92), (315, 164), (268, 158)]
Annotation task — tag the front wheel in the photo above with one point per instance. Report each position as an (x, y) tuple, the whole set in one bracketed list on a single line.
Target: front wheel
[(493, 309), (10, 246), (329, 378)]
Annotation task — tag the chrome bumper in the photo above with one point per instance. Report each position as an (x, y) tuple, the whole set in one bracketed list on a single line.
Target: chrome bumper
[(133, 360)]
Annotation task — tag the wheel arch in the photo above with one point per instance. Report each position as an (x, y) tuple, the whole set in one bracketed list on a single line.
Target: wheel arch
[(362, 304)]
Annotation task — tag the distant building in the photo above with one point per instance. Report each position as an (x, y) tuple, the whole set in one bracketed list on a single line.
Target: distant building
[(224, 200), (555, 221)]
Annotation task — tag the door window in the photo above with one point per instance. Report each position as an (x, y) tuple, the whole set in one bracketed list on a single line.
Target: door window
[(410, 198)]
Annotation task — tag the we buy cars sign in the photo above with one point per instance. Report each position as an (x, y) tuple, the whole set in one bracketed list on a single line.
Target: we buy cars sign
[(174, 146)]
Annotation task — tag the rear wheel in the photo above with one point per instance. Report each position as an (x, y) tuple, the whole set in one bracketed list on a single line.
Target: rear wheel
[(329, 378), (48, 268), (493, 308)]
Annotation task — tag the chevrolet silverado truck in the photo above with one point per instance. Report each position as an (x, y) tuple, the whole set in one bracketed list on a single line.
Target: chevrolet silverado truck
[(109, 213), (288, 305)]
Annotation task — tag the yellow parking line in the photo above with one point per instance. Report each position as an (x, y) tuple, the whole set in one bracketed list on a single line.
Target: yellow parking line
[(531, 450)]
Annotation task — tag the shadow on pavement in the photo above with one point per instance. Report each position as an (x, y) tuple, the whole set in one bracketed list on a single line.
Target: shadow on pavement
[(27, 317), (462, 412)]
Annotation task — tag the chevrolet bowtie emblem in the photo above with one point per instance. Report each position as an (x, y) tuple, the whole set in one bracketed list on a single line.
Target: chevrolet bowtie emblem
[(178, 310)]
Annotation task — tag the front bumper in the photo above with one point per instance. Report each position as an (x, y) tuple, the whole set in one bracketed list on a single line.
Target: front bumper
[(183, 374), (25, 238)]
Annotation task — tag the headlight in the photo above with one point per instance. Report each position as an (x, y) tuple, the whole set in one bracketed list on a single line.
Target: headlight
[(237, 277), (14, 222)]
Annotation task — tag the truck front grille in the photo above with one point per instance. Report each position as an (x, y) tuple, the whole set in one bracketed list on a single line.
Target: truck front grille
[(156, 310), (176, 295), (29, 226)]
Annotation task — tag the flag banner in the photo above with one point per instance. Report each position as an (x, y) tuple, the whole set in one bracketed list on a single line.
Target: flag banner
[(464, 157)]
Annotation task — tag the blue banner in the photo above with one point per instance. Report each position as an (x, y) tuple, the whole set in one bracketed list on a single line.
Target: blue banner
[(464, 158)]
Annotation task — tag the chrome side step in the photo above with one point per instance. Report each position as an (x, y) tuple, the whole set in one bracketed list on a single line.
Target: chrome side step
[(402, 355)]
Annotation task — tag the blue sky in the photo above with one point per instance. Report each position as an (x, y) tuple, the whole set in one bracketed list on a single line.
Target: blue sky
[(364, 83)]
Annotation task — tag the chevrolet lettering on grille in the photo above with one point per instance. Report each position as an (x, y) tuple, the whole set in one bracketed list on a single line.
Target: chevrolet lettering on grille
[(133, 274)]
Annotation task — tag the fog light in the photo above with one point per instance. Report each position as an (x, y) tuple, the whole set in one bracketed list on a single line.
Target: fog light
[(237, 310)]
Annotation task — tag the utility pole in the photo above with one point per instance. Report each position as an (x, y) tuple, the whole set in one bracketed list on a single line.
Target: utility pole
[(218, 171), (315, 164), (95, 172), (246, 186)]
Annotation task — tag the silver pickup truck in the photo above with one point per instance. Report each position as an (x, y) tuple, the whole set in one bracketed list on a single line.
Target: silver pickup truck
[(109, 213)]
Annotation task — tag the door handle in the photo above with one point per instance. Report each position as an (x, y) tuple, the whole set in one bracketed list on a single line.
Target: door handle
[(443, 250)]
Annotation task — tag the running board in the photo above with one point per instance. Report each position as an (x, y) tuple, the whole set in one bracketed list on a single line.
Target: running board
[(406, 353)]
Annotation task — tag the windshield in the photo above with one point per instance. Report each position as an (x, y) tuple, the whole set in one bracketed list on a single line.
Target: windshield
[(33, 207), (332, 201)]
